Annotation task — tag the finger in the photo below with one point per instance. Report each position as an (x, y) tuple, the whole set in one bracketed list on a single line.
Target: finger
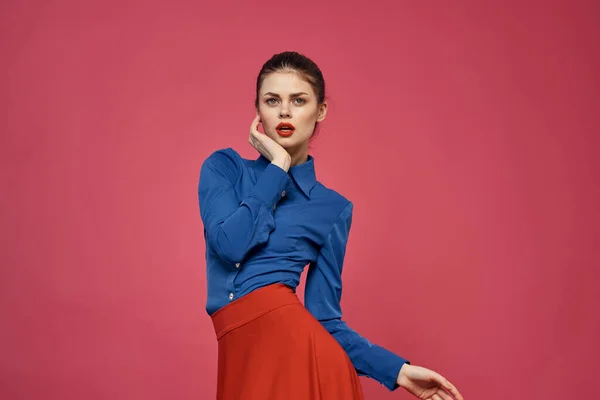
[(254, 138), (254, 125), (443, 382), (256, 135), (436, 397), (450, 387), (444, 395)]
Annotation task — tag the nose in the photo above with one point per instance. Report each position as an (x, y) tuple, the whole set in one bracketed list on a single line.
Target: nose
[(284, 111)]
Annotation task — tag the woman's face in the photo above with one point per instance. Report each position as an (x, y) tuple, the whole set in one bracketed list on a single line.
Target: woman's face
[(288, 109)]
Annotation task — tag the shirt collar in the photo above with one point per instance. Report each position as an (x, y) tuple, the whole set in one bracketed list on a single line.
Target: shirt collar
[(303, 174)]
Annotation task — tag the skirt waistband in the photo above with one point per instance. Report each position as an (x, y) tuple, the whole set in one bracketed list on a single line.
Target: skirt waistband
[(251, 306)]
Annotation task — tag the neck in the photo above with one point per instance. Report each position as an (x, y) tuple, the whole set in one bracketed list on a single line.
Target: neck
[(299, 154)]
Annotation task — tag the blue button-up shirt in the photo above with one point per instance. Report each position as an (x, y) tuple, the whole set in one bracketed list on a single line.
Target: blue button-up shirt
[(263, 226)]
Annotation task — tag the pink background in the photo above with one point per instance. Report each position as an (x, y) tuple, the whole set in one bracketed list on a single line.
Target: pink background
[(466, 135)]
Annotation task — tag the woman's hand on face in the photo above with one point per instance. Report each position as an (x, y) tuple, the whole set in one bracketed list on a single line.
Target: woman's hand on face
[(426, 384), (269, 148)]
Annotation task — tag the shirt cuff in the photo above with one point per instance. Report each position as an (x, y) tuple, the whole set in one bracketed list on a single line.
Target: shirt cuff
[(386, 367), (269, 188)]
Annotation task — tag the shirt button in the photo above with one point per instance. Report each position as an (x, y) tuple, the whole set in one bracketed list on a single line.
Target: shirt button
[(230, 296), (237, 265), (283, 193), (274, 207)]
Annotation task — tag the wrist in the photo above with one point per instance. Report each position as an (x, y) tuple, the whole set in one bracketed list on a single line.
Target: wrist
[(283, 162), (401, 381)]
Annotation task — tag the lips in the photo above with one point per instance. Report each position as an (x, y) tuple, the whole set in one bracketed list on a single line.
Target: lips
[(285, 129)]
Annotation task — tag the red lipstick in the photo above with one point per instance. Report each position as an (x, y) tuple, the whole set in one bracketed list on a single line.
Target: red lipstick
[(285, 129)]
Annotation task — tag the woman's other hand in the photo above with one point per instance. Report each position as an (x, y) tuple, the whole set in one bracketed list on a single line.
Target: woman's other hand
[(426, 384)]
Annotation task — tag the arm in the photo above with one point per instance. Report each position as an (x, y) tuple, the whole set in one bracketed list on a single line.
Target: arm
[(323, 293), (234, 227)]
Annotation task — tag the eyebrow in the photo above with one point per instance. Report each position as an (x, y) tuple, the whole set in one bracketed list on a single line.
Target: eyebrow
[(291, 95)]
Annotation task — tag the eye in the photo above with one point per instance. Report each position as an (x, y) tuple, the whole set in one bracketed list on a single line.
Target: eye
[(271, 102), (299, 101)]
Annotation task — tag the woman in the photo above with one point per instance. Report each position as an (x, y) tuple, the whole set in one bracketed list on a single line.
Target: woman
[(264, 221)]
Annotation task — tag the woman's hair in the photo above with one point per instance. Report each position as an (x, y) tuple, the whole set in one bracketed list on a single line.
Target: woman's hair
[(293, 61)]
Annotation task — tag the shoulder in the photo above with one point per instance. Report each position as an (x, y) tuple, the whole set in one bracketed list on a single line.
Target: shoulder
[(223, 157), (339, 205), (223, 162)]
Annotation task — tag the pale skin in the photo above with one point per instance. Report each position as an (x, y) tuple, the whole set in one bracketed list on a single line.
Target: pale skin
[(287, 97)]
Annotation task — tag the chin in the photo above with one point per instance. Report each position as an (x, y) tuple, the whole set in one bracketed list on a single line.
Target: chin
[(284, 142), (287, 143)]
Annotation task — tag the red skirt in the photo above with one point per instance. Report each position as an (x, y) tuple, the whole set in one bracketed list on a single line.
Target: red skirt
[(271, 347)]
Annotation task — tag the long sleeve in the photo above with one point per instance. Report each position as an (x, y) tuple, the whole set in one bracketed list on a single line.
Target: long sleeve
[(323, 293), (235, 226)]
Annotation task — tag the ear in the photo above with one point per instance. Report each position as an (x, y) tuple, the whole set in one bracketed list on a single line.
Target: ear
[(322, 112)]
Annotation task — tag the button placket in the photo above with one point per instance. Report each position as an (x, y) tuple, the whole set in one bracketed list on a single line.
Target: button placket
[(283, 193)]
